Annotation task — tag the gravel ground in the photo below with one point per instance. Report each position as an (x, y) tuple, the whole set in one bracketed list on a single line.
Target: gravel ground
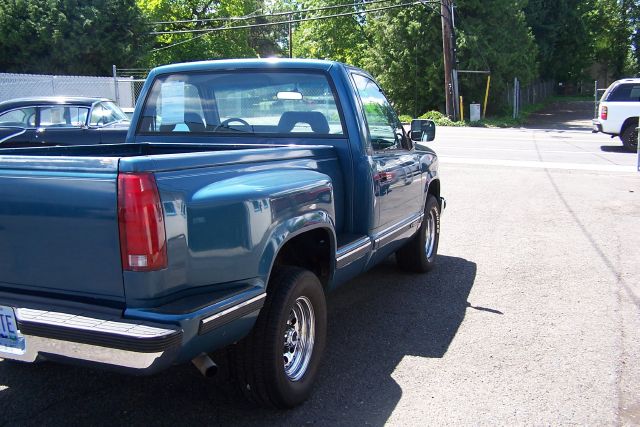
[(532, 317)]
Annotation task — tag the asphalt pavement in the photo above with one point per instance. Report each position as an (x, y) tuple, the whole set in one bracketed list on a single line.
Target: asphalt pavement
[(532, 316)]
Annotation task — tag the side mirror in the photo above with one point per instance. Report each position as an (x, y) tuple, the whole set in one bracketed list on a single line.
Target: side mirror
[(423, 130)]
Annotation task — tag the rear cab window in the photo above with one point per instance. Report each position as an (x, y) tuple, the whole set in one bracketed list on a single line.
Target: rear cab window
[(249, 102)]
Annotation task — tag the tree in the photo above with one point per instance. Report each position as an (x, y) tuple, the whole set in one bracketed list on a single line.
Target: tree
[(404, 53), (268, 40), (609, 35), (183, 47), (494, 37), (562, 36), (340, 38), (70, 36)]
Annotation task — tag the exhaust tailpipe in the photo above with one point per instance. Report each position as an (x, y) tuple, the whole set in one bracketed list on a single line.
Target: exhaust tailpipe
[(205, 365)]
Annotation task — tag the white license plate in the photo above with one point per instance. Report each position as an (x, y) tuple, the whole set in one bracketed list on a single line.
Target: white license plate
[(11, 340)]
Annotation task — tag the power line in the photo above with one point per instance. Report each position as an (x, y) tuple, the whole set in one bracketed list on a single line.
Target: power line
[(269, 15), (228, 18), (290, 21)]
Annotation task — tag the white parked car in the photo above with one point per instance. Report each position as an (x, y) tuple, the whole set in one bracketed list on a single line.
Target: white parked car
[(619, 110)]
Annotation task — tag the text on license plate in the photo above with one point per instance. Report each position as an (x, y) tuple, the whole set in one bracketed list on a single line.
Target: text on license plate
[(10, 337)]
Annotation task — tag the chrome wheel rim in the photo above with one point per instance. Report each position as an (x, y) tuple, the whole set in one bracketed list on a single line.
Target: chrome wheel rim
[(430, 234), (299, 334)]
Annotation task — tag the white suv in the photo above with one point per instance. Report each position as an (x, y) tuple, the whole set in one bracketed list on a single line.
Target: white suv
[(619, 110)]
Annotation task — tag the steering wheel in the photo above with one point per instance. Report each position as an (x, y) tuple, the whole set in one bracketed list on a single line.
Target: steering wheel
[(225, 123)]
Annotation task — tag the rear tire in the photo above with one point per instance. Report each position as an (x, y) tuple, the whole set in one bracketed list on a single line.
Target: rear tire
[(276, 365), (629, 137), (419, 254)]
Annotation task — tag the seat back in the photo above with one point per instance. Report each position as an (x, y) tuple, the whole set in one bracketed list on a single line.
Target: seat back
[(315, 119), (194, 122)]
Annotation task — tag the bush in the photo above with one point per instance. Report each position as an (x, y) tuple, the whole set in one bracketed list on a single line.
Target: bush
[(440, 119), (405, 118)]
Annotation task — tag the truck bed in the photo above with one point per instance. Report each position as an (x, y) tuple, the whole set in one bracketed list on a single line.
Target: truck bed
[(59, 230)]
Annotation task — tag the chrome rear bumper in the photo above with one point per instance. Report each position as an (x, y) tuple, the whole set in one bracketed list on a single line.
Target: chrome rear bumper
[(128, 345)]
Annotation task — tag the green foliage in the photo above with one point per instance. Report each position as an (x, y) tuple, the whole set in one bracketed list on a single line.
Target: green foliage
[(562, 36), (70, 36), (440, 119), (494, 38), (573, 35), (340, 39), (609, 34), (184, 47), (631, 13), (405, 55), (405, 118), (402, 47)]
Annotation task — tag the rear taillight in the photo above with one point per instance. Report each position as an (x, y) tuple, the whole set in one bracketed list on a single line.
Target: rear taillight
[(142, 235), (603, 112)]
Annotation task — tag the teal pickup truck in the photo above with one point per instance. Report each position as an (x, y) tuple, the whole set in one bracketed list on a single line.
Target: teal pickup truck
[(246, 191)]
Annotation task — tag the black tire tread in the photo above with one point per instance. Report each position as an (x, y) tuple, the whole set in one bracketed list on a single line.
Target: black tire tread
[(410, 257), (248, 360), (627, 137)]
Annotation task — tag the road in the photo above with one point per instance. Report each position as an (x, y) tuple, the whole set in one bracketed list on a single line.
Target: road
[(532, 316)]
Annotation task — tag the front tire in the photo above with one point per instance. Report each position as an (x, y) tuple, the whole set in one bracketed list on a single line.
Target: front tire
[(629, 137), (276, 365), (419, 254)]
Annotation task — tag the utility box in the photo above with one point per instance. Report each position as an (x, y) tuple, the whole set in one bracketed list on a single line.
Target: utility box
[(474, 112)]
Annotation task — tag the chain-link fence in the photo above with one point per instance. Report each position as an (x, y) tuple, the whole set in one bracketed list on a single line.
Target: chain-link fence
[(518, 97), (124, 86), (130, 96), (134, 79), (24, 85)]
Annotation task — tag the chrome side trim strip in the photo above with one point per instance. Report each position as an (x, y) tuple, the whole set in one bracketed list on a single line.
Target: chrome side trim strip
[(397, 230), (232, 313), (13, 135), (352, 252)]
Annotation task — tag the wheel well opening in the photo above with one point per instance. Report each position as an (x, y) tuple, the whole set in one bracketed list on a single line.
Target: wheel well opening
[(631, 121), (311, 251)]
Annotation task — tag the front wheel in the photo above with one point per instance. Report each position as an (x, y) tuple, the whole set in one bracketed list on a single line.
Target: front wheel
[(629, 137), (419, 254), (277, 363)]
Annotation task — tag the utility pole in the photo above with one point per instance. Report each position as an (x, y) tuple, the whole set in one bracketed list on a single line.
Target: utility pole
[(290, 39), (448, 55)]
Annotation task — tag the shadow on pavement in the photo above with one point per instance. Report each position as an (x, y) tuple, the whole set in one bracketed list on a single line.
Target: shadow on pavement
[(374, 322), (616, 149), (562, 115)]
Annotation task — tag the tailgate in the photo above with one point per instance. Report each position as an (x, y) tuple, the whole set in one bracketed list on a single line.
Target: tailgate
[(59, 227)]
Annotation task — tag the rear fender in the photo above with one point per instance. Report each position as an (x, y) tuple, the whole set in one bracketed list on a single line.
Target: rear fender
[(297, 211)]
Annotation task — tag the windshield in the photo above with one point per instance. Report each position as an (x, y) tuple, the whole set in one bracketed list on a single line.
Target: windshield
[(267, 102), (106, 112)]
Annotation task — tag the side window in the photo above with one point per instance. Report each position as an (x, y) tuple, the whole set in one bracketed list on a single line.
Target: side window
[(385, 130), (23, 117), (625, 93), (63, 116), (103, 114)]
